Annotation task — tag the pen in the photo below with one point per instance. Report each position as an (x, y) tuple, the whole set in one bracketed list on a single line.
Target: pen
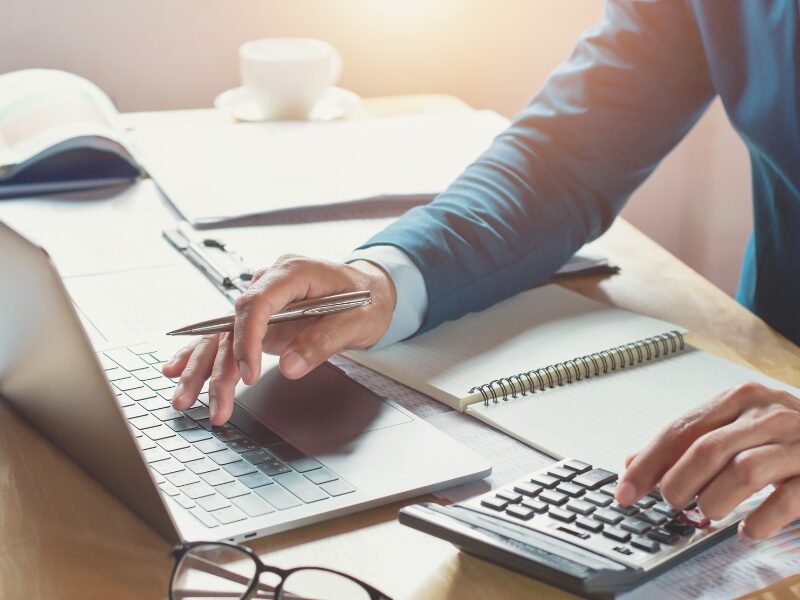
[(296, 310)]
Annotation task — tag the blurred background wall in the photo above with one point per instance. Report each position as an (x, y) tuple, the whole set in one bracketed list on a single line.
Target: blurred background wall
[(163, 54)]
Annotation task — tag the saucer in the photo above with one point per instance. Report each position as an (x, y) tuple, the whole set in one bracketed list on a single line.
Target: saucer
[(336, 103)]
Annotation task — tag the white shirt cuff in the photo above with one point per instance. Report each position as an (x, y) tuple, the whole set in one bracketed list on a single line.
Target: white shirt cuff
[(412, 296)]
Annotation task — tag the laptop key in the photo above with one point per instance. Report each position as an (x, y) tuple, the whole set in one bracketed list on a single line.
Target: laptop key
[(217, 477), (188, 454), (124, 401), (153, 404), (144, 422), (323, 475), (162, 383), (146, 374), (227, 434), (211, 503), (167, 466), (106, 363), (145, 443), (229, 515), (254, 480), (125, 359), (182, 478), (133, 411), (273, 467), (155, 454), (243, 445), (197, 490), (233, 489), (127, 384), (173, 443), (158, 433), (253, 505), (184, 501), (195, 435), (148, 358), (210, 445), (116, 374), (257, 456), (278, 497), (239, 468), (224, 457), (305, 464), (300, 487), (203, 517), (140, 394), (204, 465), (197, 412), (169, 489), (165, 414), (181, 424)]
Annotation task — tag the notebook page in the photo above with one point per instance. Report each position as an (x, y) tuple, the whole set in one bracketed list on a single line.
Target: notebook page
[(605, 419), (531, 330)]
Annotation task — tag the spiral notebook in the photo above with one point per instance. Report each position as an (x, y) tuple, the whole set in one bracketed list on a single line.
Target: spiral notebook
[(563, 373)]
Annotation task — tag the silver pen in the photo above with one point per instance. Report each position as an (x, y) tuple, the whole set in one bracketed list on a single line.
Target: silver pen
[(296, 310)]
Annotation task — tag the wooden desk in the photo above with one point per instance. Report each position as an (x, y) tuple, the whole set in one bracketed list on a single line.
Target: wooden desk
[(64, 536)]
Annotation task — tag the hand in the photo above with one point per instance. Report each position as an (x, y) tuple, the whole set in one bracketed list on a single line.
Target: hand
[(722, 453), (226, 358)]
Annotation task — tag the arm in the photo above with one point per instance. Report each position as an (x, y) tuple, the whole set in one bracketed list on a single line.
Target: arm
[(558, 176)]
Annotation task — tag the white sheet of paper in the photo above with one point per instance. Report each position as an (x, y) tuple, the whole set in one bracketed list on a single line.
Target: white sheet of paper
[(216, 173)]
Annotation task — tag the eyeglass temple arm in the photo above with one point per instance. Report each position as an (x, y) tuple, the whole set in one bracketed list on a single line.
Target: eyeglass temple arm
[(212, 568)]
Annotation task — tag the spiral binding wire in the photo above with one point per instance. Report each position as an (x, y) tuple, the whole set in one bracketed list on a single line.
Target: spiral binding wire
[(583, 367)]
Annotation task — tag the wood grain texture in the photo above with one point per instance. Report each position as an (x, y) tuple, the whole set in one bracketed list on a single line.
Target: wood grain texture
[(65, 537)]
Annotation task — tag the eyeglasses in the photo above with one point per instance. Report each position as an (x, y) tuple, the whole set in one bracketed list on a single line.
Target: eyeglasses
[(212, 570)]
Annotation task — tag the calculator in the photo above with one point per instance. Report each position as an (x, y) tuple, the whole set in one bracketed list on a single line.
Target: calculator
[(562, 525)]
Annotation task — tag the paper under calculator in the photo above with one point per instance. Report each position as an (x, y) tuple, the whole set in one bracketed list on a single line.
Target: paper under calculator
[(563, 526)]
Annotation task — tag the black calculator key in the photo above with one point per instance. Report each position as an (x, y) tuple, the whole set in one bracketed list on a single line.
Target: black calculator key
[(570, 489), (646, 502), (523, 513), (652, 517), (597, 498), (577, 466), (655, 494), (666, 509), (574, 532), (581, 507), (528, 489), (663, 536), (511, 497), (546, 481), (680, 528), (537, 505), (562, 515), (561, 473), (609, 489), (553, 497), (494, 503), (645, 544), (594, 479), (624, 510), (589, 524), (635, 526), (607, 516), (615, 533)]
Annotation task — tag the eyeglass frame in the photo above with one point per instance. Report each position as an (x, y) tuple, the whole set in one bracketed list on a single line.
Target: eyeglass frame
[(180, 550)]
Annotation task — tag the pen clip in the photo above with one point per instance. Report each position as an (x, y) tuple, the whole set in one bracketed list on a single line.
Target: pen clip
[(336, 306)]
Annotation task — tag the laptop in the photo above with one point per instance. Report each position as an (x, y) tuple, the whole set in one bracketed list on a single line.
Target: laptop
[(293, 453)]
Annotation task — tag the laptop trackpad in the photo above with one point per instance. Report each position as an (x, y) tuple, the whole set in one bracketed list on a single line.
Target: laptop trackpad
[(321, 413)]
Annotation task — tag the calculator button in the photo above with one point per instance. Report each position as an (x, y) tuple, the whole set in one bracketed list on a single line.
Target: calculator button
[(623, 550), (577, 466), (646, 502), (528, 489), (663, 536), (679, 528), (577, 534), (562, 515), (597, 498), (510, 497), (561, 473), (617, 534), (635, 526), (545, 481), (589, 524), (645, 544), (553, 497), (581, 507), (609, 489), (652, 517), (607, 516), (595, 478), (655, 494), (666, 509), (624, 510), (537, 505), (494, 503), (520, 512), (570, 489)]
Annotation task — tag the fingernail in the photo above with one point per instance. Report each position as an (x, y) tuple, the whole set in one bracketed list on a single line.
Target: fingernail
[(213, 409), (626, 493), (176, 395), (244, 370), (294, 365)]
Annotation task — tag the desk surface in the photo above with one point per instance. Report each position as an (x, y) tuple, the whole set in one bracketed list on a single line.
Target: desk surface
[(66, 537)]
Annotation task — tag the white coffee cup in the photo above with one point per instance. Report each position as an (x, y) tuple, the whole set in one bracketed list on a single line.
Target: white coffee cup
[(286, 77)]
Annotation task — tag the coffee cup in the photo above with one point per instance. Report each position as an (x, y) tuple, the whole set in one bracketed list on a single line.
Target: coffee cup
[(286, 77)]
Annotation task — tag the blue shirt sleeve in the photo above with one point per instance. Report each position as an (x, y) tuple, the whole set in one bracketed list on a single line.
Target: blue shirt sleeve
[(633, 87)]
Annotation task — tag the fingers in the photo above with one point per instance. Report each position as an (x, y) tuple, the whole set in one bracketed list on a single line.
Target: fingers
[(175, 365), (652, 463), (778, 510), (222, 384), (197, 370)]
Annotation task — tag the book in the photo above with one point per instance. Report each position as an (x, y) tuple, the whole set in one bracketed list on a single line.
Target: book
[(59, 132), (562, 373), (275, 172)]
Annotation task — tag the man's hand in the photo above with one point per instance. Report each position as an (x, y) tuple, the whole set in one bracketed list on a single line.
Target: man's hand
[(722, 453), (302, 345)]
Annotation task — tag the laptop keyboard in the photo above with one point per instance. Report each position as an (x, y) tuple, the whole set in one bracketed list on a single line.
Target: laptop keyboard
[(219, 474)]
